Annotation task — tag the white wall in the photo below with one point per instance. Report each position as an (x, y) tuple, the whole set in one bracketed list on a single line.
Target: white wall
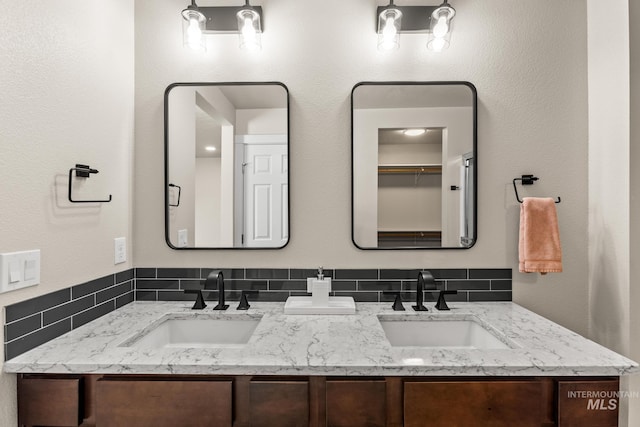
[(261, 121), (612, 232), (67, 97), (527, 62), (207, 202), (182, 152)]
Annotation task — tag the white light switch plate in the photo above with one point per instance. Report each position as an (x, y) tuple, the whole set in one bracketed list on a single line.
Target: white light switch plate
[(120, 246), (19, 270), (182, 238)]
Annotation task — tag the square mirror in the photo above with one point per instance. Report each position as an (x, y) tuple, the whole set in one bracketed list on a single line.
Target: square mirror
[(414, 152), (226, 165)]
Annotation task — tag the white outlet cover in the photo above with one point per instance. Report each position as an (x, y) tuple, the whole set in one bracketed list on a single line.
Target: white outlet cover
[(120, 247), (19, 270), (183, 239)]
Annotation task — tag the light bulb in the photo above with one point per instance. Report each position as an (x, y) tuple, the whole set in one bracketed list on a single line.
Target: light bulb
[(194, 34), (193, 24), (389, 24), (440, 32), (249, 29), (441, 28), (249, 35), (389, 34), (437, 44)]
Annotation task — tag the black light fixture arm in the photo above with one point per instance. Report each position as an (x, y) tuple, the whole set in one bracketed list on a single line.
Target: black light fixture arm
[(82, 171)]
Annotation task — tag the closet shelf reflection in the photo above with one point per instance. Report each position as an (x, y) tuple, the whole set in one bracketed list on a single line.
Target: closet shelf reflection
[(409, 169)]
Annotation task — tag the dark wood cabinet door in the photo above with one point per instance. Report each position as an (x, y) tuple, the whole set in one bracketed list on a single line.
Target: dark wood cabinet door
[(474, 404), (49, 401), (588, 403), (352, 403), (279, 403), (163, 403)]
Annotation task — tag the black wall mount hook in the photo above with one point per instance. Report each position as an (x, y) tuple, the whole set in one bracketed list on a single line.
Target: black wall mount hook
[(83, 171), (527, 180)]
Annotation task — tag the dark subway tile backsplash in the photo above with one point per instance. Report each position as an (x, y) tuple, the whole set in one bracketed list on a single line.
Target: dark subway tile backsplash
[(37, 304), (33, 322), (22, 327), (93, 286), (67, 310), (267, 273), (490, 273), (34, 339), (365, 285), (178, 273)]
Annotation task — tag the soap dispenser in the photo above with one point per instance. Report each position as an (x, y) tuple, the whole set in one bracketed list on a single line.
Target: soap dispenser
[(319, 287)]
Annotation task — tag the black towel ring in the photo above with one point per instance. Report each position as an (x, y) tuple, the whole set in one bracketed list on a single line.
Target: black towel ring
[(526, 180), (83, 171)]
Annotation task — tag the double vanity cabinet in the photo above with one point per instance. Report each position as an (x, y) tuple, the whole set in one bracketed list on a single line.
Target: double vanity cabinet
[(320, 370), (314, 401)]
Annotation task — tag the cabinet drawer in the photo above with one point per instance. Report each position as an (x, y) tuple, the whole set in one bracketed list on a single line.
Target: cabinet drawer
[(356, 403), (279, 403), (473, 404), (163, 403), (588, 403), (49, 401)]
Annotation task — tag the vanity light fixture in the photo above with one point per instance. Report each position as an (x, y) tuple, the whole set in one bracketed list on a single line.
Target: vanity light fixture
[(389, 26), (249, 27), (210, 148), (246, 21), (414, 132), (193, 24), (434, 20), (440, 34)]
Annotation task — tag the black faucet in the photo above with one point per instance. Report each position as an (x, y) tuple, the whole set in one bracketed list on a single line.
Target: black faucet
[(199, 304), (442, 304), (244, 304), (216, 275), (397, 303), (425, 282)]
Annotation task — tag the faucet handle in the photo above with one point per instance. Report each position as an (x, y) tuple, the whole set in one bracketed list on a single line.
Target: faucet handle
[(397, 303), (244, 304), (442, 304), (199, 304)]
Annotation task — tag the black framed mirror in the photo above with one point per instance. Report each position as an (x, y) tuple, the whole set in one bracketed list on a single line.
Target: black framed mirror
[(414, 156), (226, 165)]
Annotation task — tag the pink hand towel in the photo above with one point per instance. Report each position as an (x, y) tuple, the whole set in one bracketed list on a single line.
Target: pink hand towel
[(539, 244)]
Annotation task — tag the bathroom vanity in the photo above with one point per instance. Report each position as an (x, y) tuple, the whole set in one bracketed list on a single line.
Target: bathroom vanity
[(508, 366)]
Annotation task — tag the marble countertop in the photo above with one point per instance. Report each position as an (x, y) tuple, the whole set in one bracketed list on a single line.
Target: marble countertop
[(325, 345)]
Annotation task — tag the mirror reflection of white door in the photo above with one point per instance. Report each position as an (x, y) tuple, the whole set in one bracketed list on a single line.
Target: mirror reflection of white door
[(265, 201)]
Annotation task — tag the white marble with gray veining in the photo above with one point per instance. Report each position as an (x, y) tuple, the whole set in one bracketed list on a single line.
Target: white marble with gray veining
[(325, 345)]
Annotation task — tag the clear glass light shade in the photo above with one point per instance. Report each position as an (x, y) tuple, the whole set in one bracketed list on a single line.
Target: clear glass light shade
[(389, 25), (440, 28), (249, 29), (193, 26)]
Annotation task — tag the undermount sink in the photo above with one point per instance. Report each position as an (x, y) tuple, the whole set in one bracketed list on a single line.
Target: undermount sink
[(464, 333), (195, 331)]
